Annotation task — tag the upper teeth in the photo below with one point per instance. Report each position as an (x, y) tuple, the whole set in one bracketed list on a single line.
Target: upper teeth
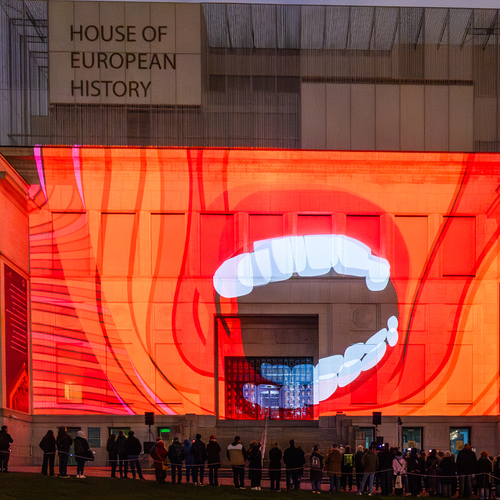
[(277, 259)]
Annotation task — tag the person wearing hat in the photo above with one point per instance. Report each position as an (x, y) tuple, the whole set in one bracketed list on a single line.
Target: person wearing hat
[(82, 450), (159, 454), (176, 455), (213, 457)]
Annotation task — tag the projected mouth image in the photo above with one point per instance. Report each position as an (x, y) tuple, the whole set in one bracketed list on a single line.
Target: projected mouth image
[(253, 284), (345, 264)]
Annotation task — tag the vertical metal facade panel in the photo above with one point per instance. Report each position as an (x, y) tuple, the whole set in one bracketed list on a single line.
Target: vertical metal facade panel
[(336, 27), (461, 118), (387, 117), (485, 120), (436, 53), (264, 26), (287, 26), (412, 118), (312, 28), (363, 117), (313, 113), (411, 47), (436, 117), (338, 116)]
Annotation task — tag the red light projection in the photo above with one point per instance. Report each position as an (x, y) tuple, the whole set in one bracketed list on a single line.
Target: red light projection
[(16, 340), (157, 272)]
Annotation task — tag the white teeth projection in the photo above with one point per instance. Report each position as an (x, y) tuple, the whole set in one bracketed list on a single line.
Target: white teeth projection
[(357, 358), (339, 371), (277, 259)]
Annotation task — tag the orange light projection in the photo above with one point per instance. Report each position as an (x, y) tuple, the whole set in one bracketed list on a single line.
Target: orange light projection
[(342, 281)]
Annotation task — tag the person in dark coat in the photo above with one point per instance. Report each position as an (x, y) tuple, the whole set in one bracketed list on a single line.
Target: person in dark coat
[(213, 459), (159, 454), (414, 467), (82, 451), (133, 448), (496, 476), (255, 465), (359, 468), (176, 457), (121, 454), (48, 446), (63, 444), (112, 456), (447, 471), (347, 467), (431, 466), (294, 462), (484, 468), (199, 452), (466, 466), (385, 459), (5, 442), (423, 471), (275, 456), (189, 461), (316, 471)]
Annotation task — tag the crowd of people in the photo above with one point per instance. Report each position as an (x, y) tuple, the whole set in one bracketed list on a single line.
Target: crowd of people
[(62, 444), (378, 469)]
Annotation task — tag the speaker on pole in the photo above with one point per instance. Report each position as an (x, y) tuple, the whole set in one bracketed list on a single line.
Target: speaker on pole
[(377, 418), (149, 418)]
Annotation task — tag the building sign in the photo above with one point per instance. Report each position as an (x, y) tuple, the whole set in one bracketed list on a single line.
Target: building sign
[(124, 53), (16, 340)]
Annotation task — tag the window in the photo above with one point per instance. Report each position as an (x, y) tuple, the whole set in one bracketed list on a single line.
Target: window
[(274, 388), (412, 438), (458, 437), (369, 435), (459, 246), (116, 430), (94, 437)]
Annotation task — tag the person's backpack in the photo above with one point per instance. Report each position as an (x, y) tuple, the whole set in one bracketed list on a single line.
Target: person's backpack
[(315, 462), (177, 455), (152, 452)]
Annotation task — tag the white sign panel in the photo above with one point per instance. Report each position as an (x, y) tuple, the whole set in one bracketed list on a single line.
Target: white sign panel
[(125, 53)]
